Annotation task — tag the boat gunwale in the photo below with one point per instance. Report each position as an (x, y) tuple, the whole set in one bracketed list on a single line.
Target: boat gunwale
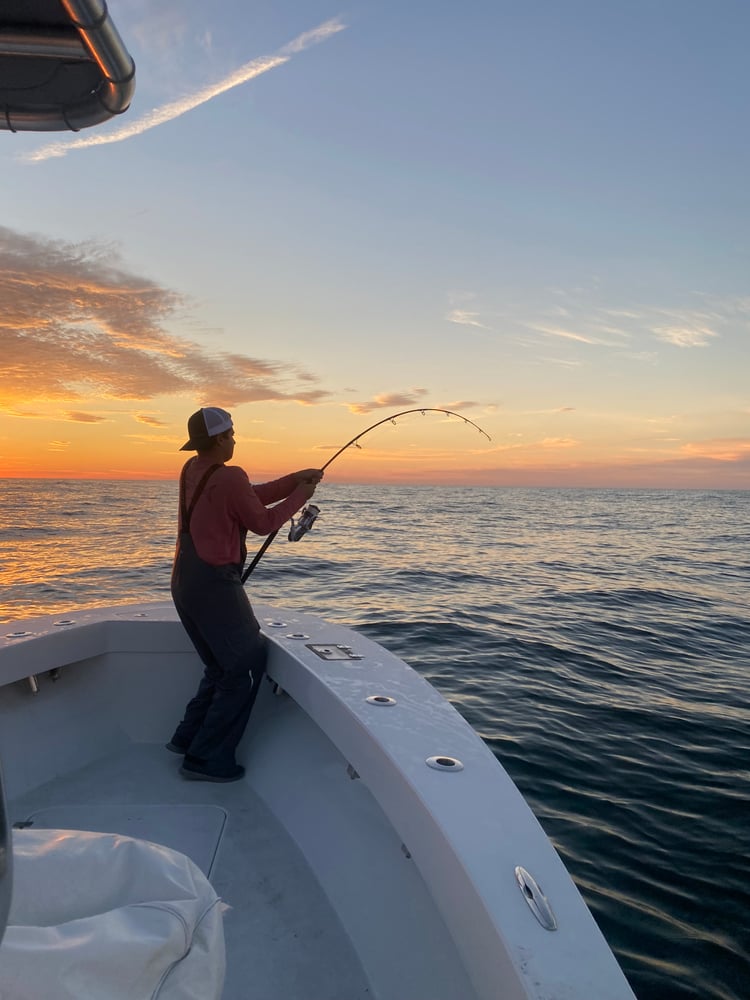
[(466, 844)]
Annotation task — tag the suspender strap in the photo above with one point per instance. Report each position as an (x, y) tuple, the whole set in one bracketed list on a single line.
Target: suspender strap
[(187, 512)]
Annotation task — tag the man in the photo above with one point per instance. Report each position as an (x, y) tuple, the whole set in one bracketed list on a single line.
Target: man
[(218, 506)]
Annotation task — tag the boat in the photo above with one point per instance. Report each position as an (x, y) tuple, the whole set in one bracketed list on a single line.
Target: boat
[(375, 847)]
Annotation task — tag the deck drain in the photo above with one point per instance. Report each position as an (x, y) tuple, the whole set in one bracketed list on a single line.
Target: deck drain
[(17, 635), (445, 763), (380, 699), (64, 621), (297, 635), (277, 624)]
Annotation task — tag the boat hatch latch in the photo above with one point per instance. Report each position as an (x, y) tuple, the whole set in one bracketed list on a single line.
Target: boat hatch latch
[(537, 901), (333, 651)]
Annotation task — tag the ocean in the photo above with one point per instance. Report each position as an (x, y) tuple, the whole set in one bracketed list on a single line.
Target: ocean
[(598, 640)]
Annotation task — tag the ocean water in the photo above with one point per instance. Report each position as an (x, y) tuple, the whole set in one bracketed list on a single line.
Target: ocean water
[(598, 640)]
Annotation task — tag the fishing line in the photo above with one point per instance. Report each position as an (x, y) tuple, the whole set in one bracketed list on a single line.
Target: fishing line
[(311, 511)]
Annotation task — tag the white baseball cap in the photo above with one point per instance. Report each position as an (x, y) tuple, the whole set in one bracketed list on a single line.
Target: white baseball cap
[(206, 423)]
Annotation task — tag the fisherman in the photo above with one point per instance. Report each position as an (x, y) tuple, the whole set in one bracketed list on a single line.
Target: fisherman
[(218, 506)]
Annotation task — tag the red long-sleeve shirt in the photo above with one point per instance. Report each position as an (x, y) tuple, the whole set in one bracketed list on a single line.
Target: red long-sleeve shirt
[(230, 503)]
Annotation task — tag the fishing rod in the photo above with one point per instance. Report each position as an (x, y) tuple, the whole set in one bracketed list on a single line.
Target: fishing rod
[(311, 511)]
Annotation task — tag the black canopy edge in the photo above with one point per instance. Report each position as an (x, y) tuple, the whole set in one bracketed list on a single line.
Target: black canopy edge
[(86, 75)]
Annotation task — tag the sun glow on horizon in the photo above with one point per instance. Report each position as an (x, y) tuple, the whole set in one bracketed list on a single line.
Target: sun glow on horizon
[(117, 445)]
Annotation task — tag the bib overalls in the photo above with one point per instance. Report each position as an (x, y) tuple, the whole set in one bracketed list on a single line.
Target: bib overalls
[(214, 608)]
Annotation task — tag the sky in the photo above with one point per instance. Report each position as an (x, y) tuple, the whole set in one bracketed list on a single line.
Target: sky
[(534, 214)]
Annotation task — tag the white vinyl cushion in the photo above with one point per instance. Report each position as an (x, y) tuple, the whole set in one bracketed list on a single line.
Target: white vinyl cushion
[(97, 916)]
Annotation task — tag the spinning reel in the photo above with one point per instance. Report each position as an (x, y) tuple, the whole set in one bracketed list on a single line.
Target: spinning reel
[(306, 521)]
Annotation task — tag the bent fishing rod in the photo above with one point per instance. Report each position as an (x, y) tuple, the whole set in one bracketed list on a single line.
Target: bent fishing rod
[(311, 511)]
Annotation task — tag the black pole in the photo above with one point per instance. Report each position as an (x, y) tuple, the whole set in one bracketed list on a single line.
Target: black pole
[(259, 555)]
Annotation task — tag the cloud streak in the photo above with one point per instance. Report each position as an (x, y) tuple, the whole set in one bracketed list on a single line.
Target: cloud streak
[(76, 326), (412, 397), (565, 334), (464, 317), (80, 417), (719, 450), (643, 334), (168, 112), (685, 335)]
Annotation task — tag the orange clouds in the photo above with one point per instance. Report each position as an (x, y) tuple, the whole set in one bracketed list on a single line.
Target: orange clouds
[(75, 325), (411, 397), (84, 418), (723, 450), (389, 399)]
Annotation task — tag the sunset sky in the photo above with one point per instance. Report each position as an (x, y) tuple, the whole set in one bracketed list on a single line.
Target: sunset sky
[(537, 214)]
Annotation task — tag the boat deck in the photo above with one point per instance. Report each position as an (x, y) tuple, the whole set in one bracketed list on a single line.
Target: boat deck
[(283, 938)]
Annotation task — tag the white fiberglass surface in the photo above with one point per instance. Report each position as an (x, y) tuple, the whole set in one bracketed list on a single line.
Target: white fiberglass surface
[(283, 938)]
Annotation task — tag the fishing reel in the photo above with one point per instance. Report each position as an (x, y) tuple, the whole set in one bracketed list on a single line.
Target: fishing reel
[(305, 523)]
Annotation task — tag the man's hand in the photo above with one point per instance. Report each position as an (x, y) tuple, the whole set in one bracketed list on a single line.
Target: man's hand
[(308, 476)]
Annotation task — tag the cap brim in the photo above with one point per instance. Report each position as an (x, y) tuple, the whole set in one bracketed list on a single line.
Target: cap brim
[(189, 446)]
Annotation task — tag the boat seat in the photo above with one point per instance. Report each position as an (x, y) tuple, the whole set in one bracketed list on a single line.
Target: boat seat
[(194, 830), (100, 915)]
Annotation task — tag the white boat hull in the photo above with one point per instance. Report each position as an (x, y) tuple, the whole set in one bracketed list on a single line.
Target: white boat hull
[(384, 796)]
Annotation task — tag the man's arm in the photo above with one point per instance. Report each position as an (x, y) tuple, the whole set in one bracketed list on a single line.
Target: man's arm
[(248, 502)]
